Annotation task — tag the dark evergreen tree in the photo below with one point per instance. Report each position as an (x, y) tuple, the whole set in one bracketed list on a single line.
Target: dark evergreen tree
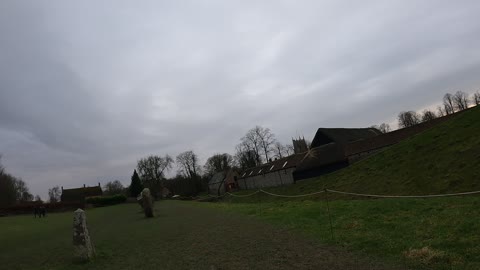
[(136, 185)]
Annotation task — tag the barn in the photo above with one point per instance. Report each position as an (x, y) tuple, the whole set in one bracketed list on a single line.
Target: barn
[(327, 153)]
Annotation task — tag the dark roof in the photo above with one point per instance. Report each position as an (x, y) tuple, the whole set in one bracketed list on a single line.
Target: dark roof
[(79, 194), (342, 136), (321, 156), (217, 178), (275, 165)]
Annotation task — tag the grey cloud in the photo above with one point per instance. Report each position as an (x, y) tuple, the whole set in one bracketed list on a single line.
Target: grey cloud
[(87, 88)]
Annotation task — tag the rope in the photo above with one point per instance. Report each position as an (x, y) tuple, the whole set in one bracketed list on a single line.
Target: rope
[(292, 196), (213, 196), (242, 196), (346, 193), (403, 196)]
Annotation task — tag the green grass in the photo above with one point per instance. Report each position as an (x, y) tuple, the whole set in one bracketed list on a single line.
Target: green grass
[(443, 159), (183, 235), (386, 228)]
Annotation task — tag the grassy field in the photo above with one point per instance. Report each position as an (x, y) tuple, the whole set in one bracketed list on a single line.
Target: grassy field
[(183, 235), (439, 233)]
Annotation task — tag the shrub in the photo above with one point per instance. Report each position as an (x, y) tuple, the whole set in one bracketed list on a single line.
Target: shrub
[(106, 200)]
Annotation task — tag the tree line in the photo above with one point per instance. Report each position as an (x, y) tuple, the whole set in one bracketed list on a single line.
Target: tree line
[(452, 103), (256, 147), (13, 189)]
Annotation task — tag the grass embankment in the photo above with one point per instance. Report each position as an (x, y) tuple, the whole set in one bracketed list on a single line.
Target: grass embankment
[(183, 235), (443, 159), (439, 232)]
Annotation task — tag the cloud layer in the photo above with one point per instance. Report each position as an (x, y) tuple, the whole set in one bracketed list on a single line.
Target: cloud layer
[(87, 88)]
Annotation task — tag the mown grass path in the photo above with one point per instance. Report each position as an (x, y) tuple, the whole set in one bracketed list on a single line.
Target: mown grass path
[(183, 235)]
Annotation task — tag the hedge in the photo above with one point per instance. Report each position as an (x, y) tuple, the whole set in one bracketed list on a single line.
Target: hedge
[(27, 208), (106, 200)]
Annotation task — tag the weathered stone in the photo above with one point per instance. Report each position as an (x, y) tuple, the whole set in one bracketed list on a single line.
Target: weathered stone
[(147, 202), (83, 248)]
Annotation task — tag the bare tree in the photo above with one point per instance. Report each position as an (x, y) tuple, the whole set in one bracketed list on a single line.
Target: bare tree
[(259, 141), (2, 169), (151, 170), (428, 115), (384, 128), (218, 163), (113, 188), (460, 100), (54, 194), (12, 189), (22, 192), (279, 150), (252, 142), (38, 198), (245, 156), (408, 119), (290, 150), (7, 190), (188, 162), (476, 98), (448, 104), (440, 111), (267, 140)]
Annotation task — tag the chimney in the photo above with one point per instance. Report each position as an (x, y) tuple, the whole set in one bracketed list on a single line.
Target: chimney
[(98, 183), (83, 185), (62, 188)]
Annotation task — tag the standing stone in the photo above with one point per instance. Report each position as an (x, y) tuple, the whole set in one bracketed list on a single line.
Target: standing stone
[(147, 203), (83, 248)]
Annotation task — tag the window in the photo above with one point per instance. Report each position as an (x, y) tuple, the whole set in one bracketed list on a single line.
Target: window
[(250, 173), (259, 172), (272, 167), (284, 164), (244, 174)]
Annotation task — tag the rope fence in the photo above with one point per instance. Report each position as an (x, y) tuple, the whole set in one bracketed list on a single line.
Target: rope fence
[(403, 196), (292, 196), (345, 193)]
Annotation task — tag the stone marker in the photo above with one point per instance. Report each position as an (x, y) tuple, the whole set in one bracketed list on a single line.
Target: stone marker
[(83, 249), (147, 203)]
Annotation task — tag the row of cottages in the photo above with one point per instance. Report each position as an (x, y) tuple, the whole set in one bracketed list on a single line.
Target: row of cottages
[(79, 194), (275, 173)]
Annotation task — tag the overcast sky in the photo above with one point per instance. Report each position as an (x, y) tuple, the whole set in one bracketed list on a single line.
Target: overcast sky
[(89, 87)]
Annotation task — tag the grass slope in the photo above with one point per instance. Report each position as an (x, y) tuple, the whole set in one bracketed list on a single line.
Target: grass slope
[(443, 159)]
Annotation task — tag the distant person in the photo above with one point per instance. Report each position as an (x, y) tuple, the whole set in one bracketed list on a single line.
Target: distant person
[(36, 211), (43, 211)]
